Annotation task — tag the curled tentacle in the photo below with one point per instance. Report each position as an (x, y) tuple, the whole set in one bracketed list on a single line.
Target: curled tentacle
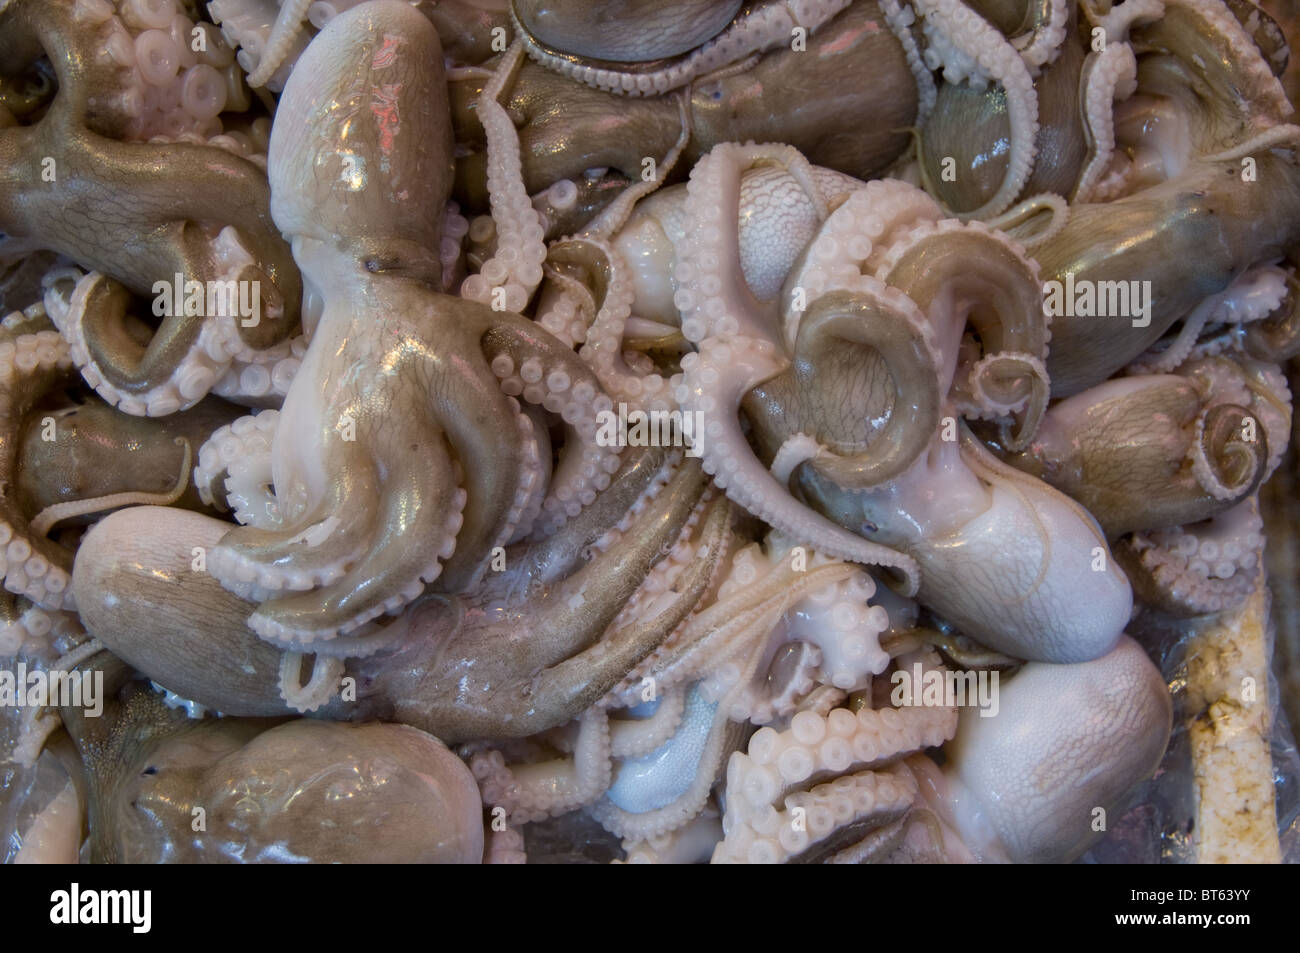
[(516, 270), (1148, 452), (603, 273), (1226, 462), (870, 319), (1199, 568), (1001, 300), (1277, 337), (1107, 76), (234, 469)]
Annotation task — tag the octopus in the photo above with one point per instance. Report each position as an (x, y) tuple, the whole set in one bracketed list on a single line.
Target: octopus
[(485, 425)]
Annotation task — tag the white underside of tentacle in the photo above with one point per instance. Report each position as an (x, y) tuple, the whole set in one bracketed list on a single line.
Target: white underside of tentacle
[(587, 463), (1107, 76), (766, 783), (241, 450), (1043, 45), (534, 792), (508, 279)]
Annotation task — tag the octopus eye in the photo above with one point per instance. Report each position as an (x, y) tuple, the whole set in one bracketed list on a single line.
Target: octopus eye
[(150, 770)]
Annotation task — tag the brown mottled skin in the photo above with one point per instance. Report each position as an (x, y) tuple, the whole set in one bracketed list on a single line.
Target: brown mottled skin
[(802, 98), (1190, 237), (98, 451), (971, 127), (458, 671), (1121, 450), (260, 791), (137, 212)]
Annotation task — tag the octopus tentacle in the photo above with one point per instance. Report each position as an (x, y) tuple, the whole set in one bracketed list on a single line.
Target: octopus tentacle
[(967, 46), (516, 268), (1107, 76), (852, 242), (895, 328), (632, 737), (557, 663), (531, 363), (1023, 221), (781, 769), (1258, 386), (180, 365), (1198, 568), (748, 606), (900, 18), (262, 378), (534, 792), (394, 574), (713, 297), (661, 791), (1224, 462), (234, 469), (1005, 308), (28, 630), (30, 320), (590, 674), (737, 336), (326, 674), (254, 27), (762, 28), (1277, 336), (604, 272), (284, 33), (613, 217), (1041, 43), (33, 566), (715, 381)]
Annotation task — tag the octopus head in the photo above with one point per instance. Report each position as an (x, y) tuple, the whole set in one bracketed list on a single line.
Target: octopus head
[(305, 790), (1068, 741), (363, 146)]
